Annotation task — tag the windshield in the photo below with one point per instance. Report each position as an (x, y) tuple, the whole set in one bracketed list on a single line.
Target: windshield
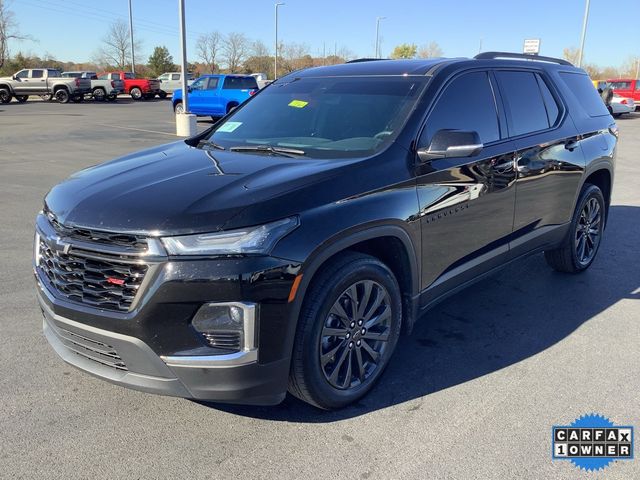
[(329, 117)]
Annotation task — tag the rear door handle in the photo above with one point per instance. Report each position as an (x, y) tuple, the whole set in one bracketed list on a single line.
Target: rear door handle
[(571, 145)]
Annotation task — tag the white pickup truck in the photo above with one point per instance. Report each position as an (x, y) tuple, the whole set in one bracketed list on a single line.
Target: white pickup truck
[(101, 89), (43, 82)]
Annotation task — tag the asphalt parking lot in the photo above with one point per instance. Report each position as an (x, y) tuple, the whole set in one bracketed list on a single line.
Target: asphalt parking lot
[(473, 393)]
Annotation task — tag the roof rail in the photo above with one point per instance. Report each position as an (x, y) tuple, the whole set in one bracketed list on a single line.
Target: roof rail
[(358, 60), (521, 56)]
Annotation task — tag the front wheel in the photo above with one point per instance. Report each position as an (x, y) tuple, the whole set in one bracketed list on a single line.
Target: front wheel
[(22, 98), (178, 108), (162, 94), (136, 93), (348, 329), (579, 249)]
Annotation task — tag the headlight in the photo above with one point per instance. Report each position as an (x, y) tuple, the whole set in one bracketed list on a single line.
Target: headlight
[(260, 239)]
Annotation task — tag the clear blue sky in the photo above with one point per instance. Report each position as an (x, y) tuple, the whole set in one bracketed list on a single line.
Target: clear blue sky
[(70, 30)]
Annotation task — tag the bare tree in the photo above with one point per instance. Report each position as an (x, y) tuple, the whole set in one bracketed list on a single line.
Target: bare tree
[(432, 50), (259, 49), (116, 49), (235, 48), (8, 31), (294, 56), (571, 54), (208, 49)]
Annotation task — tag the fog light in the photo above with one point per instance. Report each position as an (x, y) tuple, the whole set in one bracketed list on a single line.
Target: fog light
[(228, 326)]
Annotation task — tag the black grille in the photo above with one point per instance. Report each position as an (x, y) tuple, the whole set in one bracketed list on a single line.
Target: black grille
[(100, 282), (91, 349), (231, 340), (135, 242)]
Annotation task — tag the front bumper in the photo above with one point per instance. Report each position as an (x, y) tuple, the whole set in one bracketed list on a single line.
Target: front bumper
[(154, 338), (130, 362)]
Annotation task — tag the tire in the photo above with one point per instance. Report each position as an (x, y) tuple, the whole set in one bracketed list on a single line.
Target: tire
[(332, 371), (22, 98), (178, 107), (136, 93), (62, 95), (112, 98), (230, 107), (77, 98), (99, 94), (162, 94), (5, 95), (579, 249)]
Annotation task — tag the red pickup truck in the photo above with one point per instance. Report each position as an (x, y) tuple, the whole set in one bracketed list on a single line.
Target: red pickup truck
[(626, 87), (138, 88)]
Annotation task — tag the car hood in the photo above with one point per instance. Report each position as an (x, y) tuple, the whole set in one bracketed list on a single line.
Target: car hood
[(178, 189)]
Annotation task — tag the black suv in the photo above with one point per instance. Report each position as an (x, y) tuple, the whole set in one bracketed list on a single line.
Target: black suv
[(288, 246)]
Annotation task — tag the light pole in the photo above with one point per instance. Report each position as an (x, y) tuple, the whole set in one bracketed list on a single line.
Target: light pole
[(133, 57), (584, 33), (378, 35), (185, 122), (275, 63)]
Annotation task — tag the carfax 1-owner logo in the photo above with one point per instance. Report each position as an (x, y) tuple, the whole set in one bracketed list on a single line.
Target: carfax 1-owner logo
[(592, 442)]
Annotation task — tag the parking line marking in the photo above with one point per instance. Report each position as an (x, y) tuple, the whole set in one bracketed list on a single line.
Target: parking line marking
[(137, 129)]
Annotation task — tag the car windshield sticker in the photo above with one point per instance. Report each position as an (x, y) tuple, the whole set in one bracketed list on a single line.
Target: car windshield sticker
[(229, 126), (298, 104)]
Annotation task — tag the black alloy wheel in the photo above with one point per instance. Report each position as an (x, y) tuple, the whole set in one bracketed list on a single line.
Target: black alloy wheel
[(348, 328), (355, 334), (588, 232)]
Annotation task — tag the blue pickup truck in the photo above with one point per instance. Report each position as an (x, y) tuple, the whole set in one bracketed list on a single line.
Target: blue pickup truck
[(216, 95)]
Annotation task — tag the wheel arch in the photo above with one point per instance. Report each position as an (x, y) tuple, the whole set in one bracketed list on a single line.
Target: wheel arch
[(602, 177), (390, 244)]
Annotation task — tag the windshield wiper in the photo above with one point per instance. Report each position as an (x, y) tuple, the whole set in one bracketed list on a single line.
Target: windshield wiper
[(284, 152), (209, 143)]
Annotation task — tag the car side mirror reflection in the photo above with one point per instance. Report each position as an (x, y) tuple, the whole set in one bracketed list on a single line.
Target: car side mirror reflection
[(451, 143)]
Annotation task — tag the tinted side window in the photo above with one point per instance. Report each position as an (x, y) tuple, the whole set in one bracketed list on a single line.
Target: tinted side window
[(22, 74), (240, 83), (213, 83), (37, 73), (115, 76), (637, 85), (523, 102), (468, 104), (175, 76), (621, 85), (583, 91), (549, 102)]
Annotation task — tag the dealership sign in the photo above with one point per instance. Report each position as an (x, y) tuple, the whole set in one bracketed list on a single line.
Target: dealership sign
[(532, 46)]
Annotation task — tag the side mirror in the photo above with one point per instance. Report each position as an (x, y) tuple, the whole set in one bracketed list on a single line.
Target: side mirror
[(14, 77), (451, 143)]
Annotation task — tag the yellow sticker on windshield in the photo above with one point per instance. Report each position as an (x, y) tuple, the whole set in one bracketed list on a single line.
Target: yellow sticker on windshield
[(298, 104)]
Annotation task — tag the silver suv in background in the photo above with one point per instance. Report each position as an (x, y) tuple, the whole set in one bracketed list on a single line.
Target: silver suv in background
[(172, 81), (100, 89)]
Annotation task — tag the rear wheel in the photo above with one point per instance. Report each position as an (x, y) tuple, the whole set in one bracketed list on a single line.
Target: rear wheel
[(5, 95), (22, 98), (178, 107), (162, 94), (581, 245), (62, 96), (348, 328), (99, 94), (135, 93)]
